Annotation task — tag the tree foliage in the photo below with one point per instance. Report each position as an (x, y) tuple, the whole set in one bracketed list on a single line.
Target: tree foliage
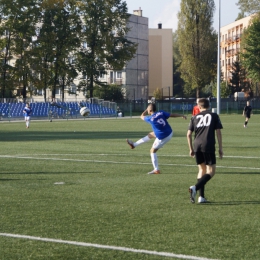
[(197, 41), (249, 6), (178, 82), (225, 90), (109, 92), (104, 32), (52, 40), (18, 19), (237, 77), (240, 16), (157, 94), (250, 56)]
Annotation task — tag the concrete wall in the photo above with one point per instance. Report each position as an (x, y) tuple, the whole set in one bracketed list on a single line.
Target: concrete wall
[(136, 71), (160, 61)]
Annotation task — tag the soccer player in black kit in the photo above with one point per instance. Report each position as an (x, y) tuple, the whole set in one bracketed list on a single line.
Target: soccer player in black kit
[(204, 125), (247, 112)]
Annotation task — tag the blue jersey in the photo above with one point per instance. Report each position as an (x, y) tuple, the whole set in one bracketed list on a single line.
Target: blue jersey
[(159, 123), (27, 111)]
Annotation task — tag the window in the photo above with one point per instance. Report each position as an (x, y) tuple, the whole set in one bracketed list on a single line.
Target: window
[(72, 60), (101, 75), (119, 74)]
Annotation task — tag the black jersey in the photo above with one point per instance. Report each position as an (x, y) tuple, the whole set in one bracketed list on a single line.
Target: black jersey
[(204, 125), (247, 110)]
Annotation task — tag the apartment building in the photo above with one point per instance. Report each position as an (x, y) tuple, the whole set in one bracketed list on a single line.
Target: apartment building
[(230, 44), (160, 61), (134, 77)]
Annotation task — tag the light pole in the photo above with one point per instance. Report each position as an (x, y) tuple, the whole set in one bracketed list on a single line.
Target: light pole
[(218, 71)]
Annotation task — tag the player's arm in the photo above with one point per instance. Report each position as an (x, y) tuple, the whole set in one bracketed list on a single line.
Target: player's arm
[(178, 115), (189, 139), (143, 114), (219, 137)]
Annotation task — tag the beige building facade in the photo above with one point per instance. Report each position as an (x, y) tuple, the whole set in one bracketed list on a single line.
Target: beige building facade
[(230, 39), (160, 61)]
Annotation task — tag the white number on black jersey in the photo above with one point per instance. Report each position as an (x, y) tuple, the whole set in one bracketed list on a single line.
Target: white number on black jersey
[(204, 120)]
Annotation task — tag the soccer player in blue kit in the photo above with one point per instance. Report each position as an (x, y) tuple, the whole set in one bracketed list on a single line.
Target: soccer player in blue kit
[(162, 132), (27, 114)]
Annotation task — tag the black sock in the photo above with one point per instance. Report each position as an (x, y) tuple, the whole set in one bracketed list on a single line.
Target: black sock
[(246, 123), (203, 180), (201, 189)]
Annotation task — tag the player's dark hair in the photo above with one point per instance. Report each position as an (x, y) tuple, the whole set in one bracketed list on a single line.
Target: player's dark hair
[(203, 102), (153, 107)]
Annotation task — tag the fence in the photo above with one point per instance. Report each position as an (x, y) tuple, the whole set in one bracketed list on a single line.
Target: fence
[(101, 108), (228, 106), (65, 110)]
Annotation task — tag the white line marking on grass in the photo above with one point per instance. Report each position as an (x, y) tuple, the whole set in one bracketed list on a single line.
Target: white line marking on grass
[(124, 154), (118, 162), (118, 248)]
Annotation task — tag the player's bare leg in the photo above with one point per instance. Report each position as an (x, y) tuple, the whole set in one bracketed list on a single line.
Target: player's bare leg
[(154, 160), (140, 141)]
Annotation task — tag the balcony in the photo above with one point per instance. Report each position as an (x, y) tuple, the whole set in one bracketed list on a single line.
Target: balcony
[(230, 52), (236, 51), (115, 81), (228, 40)]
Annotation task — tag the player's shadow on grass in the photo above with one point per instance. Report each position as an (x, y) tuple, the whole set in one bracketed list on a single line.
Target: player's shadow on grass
[(45, 173), (9, 179), (247, 173), (70, 135), (231, 203)]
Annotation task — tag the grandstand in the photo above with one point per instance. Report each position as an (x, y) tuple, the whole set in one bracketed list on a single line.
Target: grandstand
[(58, 109)]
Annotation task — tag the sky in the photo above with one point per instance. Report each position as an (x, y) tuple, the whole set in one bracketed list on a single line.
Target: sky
[(165, 12)]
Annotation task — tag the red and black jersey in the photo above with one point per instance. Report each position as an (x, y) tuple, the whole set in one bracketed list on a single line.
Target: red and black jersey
[(196, 110), (204, 125)]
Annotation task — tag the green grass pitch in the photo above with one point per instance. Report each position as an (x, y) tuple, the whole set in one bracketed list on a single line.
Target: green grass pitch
[(77, 180)]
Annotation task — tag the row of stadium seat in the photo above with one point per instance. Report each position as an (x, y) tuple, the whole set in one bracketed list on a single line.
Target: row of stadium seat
[(47, 109)]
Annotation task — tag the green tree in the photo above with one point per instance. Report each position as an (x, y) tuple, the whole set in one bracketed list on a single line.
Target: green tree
[(178, 82), (109, 92), (105, 45), (250, 56), (57, 43), (26, 13), (239, 81), (224, 89), (18, 19), (249, 6), (157, 94), (236, 81), (240, 16), (198, 42), (6, 44)]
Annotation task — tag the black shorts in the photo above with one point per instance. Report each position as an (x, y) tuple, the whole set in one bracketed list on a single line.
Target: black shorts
[(248, 115), (207, 158)]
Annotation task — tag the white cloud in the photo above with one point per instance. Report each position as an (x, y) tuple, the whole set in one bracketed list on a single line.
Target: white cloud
[(167, 16)]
